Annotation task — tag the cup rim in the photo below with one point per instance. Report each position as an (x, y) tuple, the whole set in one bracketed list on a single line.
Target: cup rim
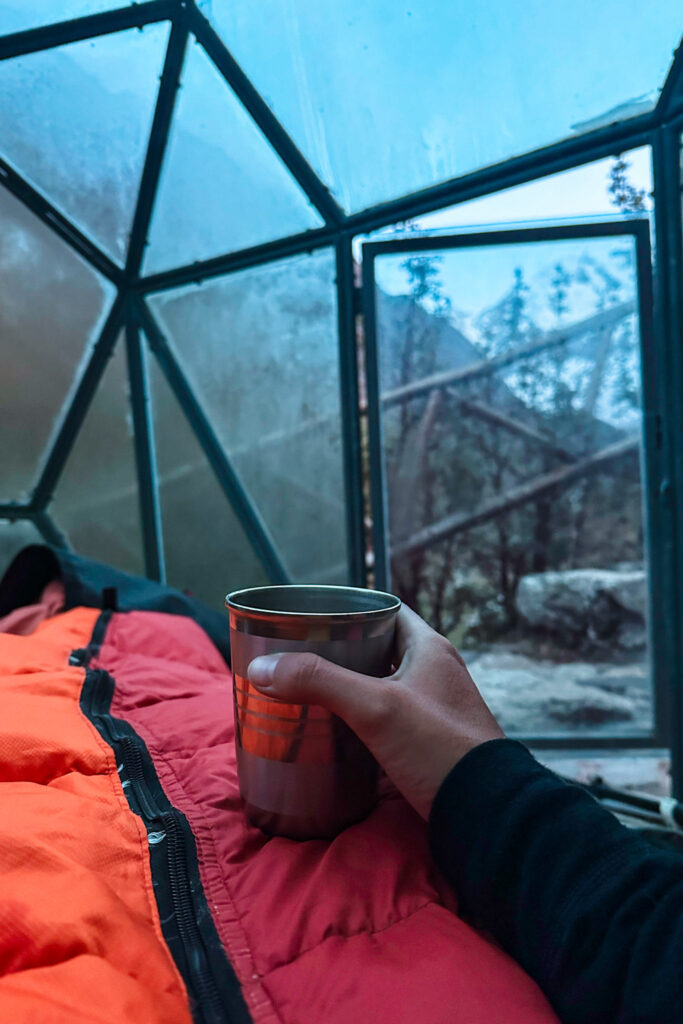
[(233, 602)]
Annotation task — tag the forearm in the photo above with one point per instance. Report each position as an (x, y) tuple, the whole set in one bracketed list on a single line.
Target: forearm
[(591, 911)]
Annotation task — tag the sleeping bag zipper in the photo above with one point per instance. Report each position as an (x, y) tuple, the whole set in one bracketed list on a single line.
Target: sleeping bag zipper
[(214, 992)]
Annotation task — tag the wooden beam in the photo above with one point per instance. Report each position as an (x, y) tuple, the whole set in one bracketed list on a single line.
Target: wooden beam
[(485, 367), (514, 426), (540, 486)]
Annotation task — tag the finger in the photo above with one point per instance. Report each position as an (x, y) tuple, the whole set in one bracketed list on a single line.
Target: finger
[(413, 634), (410, 630), (310, 679)]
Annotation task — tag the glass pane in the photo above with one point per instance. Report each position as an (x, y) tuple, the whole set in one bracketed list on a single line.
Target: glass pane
[(387, 97), (206, 550), (17, 15), (538, 572), (642, 772), (260, 348), (222, 186), (13, 537), (53, 303), (75, 122), (599, 190), (96, 501)]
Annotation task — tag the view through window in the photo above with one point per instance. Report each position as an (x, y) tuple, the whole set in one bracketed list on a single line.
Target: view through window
[(514, 490)]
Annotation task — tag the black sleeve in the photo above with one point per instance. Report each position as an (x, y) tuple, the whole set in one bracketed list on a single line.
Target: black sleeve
[(591, 910)]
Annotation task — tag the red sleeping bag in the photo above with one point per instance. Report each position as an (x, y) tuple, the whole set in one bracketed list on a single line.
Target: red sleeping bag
[(132, 890), (358, 929)]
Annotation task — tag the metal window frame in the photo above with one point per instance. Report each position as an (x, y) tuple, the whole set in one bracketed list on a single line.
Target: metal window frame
[(145, 452), (249, 517), (666, 670), (669, 313), (659, 128)]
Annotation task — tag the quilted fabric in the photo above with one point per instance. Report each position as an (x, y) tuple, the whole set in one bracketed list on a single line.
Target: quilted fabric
[(80, 937), (358, 929)]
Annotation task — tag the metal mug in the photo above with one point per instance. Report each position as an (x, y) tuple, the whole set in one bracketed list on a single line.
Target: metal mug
[(302, 772)]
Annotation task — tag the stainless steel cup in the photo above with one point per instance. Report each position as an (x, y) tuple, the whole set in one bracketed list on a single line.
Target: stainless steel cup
[(303, 773)]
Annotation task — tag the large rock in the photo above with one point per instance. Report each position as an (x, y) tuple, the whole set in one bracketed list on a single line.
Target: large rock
[(537, 696), (601, 607)]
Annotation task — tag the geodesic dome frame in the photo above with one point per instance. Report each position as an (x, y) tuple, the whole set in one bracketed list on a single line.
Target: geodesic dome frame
[(131, 312)]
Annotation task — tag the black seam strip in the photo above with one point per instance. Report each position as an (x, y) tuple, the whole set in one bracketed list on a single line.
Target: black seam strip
[(214, 992)]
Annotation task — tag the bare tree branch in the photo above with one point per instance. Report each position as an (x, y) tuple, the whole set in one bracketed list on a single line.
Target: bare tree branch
[(485, 367), (545, 484)]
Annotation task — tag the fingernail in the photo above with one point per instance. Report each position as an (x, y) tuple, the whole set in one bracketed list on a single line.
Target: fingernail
[(262, 669)]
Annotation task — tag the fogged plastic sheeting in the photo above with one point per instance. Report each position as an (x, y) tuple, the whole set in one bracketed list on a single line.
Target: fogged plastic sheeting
[(260, 348), (207, 552), (52, 305), (96, 499), (75, 122)]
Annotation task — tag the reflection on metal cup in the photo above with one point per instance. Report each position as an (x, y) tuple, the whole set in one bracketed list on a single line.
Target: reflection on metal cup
[(303, 773)]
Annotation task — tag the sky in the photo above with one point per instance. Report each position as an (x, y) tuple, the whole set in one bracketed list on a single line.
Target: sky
[(477, 278)]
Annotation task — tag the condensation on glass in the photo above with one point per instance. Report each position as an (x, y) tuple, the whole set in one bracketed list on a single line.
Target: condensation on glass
[(260, 348), (206, 550), (222, 186), (41, 352), (388, 97), (75, 121), (590, 192), (96, 500), (18, 15), (541, 583)]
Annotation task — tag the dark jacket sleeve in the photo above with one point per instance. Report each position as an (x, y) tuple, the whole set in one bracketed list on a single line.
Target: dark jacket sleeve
[(591, 910)]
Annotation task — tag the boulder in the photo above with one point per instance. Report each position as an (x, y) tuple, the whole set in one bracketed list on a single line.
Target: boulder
[(536, 696), (598, 607)]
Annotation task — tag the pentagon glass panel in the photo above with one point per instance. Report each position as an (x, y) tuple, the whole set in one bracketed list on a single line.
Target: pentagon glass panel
[(222, 186), (388, 97), (260, 348), (96, 500), (18, 15), (75, 121), (544, 590), (207, 552), (53, 304)]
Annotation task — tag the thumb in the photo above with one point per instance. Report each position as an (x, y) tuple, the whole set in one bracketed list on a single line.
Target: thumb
[(310, 679)]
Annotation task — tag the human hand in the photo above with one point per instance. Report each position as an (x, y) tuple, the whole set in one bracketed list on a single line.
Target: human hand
[(417, 722)]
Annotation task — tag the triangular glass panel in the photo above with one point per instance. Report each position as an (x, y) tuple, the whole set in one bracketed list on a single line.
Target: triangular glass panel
[(222, 186), (53, 304), (96, 501), (18, 15), (207, 552), (386, 98), (260, 348), (75, 121)]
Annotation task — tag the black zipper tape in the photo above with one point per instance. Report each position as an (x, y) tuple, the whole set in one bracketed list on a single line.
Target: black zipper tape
[(214, 992)]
